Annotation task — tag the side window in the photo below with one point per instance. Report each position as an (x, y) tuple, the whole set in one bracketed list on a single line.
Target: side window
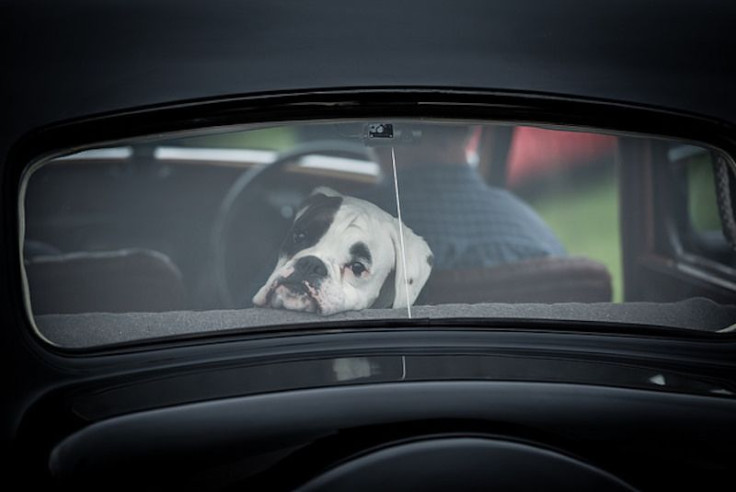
[(700, 225), (701, 196)]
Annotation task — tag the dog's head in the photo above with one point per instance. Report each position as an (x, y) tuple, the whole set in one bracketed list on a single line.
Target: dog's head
[(344, 254)]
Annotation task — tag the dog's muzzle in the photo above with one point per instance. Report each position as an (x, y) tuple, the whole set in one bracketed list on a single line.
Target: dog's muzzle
[(303, 283), (309, 269)]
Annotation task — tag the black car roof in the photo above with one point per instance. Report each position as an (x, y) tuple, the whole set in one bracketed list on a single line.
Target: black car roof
[(81, 57)]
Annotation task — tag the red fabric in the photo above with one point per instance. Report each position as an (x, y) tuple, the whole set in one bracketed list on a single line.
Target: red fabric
[(537, 151)]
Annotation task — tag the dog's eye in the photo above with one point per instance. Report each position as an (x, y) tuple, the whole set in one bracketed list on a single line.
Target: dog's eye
[(357, 267), (299, 236)]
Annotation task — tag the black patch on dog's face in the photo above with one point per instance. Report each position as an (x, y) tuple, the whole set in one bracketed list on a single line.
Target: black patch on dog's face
[(360, 252), (312, 224)]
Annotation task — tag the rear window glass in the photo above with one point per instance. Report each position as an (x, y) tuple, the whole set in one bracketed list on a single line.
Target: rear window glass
[(352, 223)]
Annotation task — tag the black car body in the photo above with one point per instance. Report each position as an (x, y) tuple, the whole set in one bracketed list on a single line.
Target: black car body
[(527, 401)]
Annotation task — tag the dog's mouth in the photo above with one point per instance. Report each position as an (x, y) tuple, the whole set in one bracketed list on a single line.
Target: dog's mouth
[(295, 287), (294, 296)]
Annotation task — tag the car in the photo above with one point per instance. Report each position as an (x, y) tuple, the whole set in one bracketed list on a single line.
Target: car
[(349, 246)]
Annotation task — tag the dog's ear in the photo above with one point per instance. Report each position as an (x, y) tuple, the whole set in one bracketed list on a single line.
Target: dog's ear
[(419, 261)]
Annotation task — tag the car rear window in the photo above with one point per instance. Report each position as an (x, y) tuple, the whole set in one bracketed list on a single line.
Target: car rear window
[(344, 224)]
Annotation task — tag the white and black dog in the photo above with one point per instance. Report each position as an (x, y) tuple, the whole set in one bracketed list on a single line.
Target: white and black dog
[(344, 254)]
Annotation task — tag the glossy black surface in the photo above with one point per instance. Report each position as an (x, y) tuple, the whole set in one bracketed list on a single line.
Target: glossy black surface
[(465, 463), (85, 57), (297, 434), (270, 412), (230, 381)]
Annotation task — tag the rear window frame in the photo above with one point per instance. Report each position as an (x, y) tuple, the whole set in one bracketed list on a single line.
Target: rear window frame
[(466, 105)]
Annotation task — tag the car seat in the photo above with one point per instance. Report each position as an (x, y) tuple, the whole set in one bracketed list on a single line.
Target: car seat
[(126, 280), (538, 280)]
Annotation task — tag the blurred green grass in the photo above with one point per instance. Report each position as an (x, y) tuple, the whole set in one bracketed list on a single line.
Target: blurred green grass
[(702, 201), (585, 215), (276, 138)]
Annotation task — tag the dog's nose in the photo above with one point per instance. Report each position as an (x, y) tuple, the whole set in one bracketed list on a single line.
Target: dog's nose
[(311, 266)]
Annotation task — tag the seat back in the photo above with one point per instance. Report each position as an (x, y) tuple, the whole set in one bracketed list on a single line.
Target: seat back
[(129, 280), (540, 280)]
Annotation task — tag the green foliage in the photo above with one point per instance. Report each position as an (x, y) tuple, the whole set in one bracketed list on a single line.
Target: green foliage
[(702, 202), (584, 214)]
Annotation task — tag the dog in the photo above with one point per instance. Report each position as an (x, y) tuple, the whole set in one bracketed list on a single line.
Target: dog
[(344, 254)]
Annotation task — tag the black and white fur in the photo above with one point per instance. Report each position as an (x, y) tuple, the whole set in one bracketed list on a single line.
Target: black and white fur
[(344, 254)]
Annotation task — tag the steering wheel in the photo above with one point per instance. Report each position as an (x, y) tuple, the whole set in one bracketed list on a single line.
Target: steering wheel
[(228, 211)]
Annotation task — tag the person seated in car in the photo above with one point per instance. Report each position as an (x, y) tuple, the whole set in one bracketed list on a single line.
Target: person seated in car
[(467, 223)]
